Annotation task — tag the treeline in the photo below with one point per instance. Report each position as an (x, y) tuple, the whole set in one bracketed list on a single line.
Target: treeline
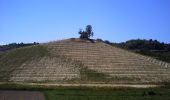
[(153, 48), (15, 45), (148, 45)]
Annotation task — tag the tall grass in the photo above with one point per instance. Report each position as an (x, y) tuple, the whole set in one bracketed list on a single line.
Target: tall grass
[(108, 94)]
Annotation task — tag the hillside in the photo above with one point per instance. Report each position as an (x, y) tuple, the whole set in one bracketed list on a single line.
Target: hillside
[(11, 46), (80, 61), (150, 47)]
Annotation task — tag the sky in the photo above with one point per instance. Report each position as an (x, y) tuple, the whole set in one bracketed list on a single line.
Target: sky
[(113, 20)]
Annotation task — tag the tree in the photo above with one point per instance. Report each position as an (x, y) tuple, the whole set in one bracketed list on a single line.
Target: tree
[(89, 30), (87, 33), (99, 40)]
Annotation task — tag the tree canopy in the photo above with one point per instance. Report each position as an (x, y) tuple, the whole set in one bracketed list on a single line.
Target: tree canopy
[(87, 33)]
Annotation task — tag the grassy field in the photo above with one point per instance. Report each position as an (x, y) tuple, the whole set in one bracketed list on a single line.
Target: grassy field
[(108, 94), (85, 93)]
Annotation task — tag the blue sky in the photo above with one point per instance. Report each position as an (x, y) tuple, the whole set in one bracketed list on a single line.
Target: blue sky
[(113, 20)]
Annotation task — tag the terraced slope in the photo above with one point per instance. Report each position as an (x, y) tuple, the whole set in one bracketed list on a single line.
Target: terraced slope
[(80, 61), (36, 64), (117, 64)]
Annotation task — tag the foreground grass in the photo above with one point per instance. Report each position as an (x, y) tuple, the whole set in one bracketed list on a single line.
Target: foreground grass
[(108, 94), (86, 93)]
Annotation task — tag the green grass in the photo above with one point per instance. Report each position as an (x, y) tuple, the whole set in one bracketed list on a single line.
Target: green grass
[(159, 93), (91, 75), (108, 94), (94, 93), (11, 60)]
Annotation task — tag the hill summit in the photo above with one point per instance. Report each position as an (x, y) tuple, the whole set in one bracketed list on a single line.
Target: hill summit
[(80, 61)]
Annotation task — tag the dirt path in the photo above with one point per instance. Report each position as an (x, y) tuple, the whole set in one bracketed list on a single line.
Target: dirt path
[(86, 85), (93, 85), (21, 95)]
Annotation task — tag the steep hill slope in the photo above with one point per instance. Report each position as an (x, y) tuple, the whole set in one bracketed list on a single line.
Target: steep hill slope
[(118, 64), (80, 61)]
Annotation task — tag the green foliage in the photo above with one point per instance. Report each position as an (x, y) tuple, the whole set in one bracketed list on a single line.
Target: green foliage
[(89, 30), (164, 56), (99, 40), (150, 47), (87, 33), (139, 44)]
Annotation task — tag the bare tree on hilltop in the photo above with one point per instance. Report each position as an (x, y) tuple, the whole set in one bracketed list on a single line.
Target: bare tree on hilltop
[(87, 33)]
